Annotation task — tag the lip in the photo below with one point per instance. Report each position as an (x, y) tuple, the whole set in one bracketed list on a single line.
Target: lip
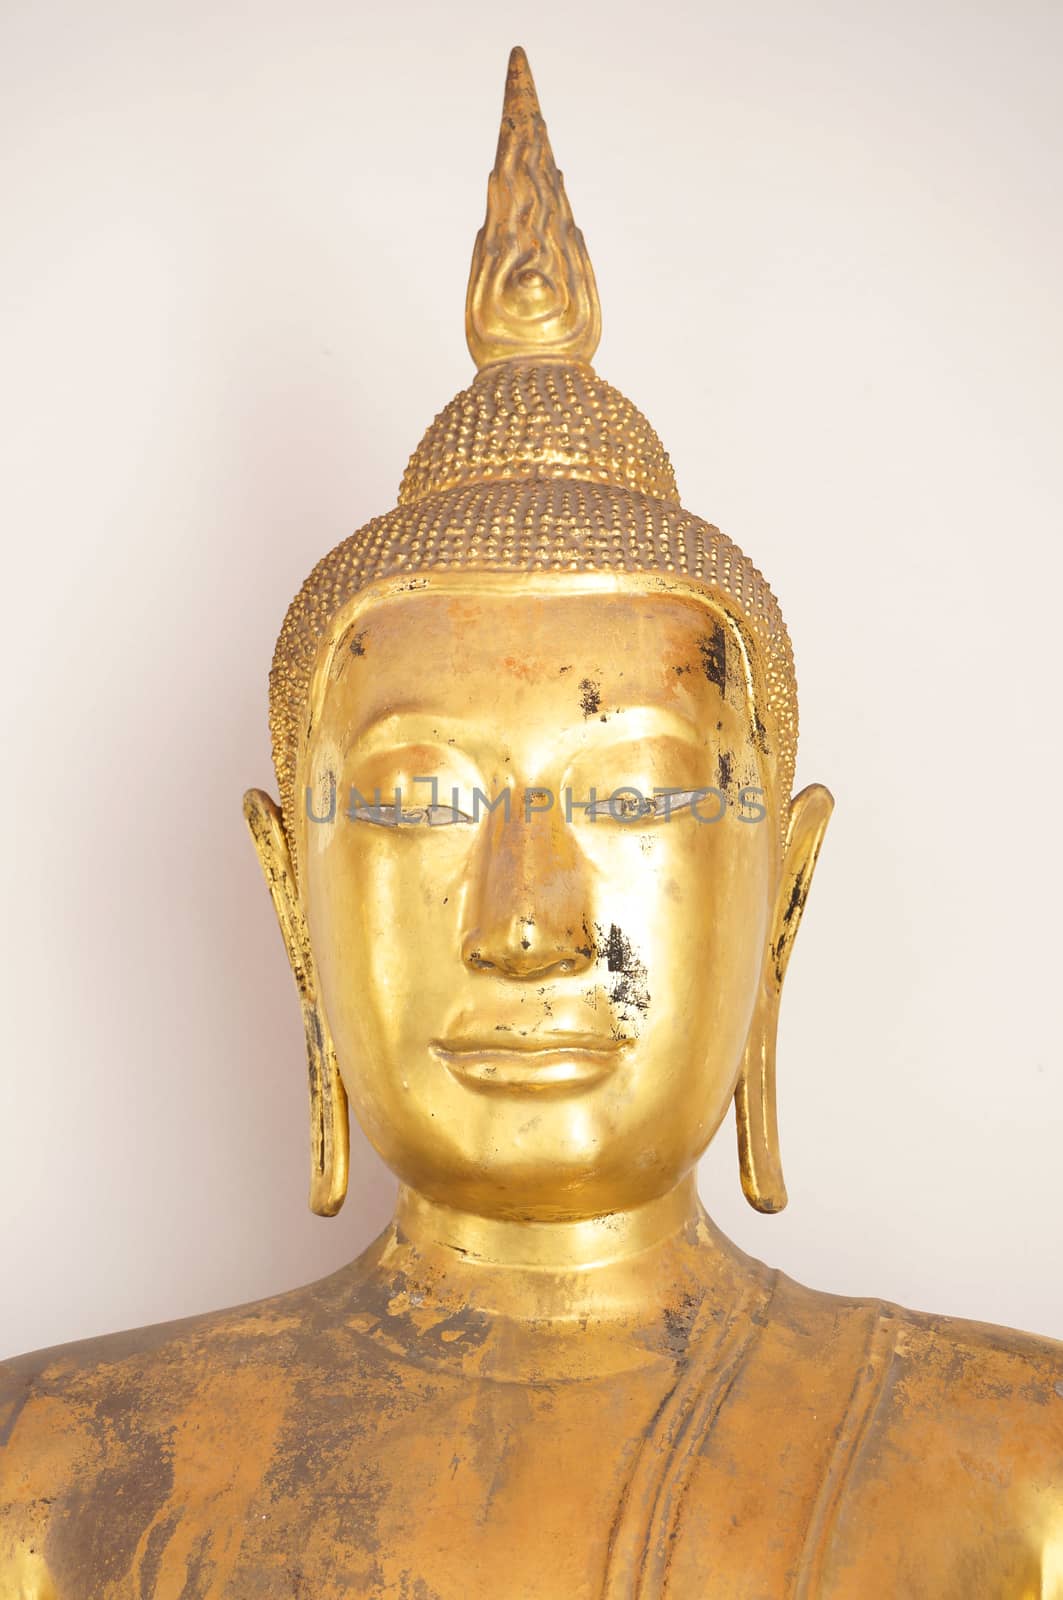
[(538, 1063)]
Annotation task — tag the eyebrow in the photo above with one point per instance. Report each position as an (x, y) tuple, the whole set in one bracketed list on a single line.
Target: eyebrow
[(401, 726)]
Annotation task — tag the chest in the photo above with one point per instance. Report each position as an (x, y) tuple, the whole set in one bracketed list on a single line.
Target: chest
[(388, 1481), (441, 1493), (431, 1490)]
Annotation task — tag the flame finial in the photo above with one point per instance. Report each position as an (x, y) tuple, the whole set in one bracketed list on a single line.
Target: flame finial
[(531, 286)]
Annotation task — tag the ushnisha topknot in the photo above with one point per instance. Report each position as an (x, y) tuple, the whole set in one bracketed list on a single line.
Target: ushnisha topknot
[(538, 466)]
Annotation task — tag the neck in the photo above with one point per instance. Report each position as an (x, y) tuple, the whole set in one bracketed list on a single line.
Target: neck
[(589, 1245), (626, 1267)]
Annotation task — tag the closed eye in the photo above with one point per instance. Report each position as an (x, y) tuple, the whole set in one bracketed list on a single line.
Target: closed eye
[(629, 805), (408, 816), (409, 785)]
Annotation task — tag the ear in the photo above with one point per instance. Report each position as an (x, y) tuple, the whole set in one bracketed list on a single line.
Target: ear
[(759, 1158), (329, 1126)]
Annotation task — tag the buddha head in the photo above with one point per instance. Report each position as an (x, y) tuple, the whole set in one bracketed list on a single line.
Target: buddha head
[(536, 861)]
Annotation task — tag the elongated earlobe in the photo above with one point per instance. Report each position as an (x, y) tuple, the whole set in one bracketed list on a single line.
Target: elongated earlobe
[(759, 1156), (329, 1125)]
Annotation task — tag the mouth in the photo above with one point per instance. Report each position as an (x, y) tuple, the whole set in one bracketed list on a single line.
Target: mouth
[(541, 1063)]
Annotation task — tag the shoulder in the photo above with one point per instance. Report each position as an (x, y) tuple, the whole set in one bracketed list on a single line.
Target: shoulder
[(982, 1406), (160, 1362), (956, 1361), (84, 1422), (275, 1328), (946, 1473), (936, 1384), (154, 1372), (925, 1452), (960, 1465), (99, 1399), (979, 1360), (100, 1439)]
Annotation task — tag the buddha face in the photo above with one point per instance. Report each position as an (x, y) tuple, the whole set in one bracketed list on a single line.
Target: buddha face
[(540, 910)]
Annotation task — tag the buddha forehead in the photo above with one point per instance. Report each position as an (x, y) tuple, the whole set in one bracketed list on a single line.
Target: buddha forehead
[(532, 668)]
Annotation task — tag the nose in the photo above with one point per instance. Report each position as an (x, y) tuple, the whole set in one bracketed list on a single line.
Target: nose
[(528, 902)]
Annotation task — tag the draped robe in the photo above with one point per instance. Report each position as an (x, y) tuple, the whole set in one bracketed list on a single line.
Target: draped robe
[(348, 1439)]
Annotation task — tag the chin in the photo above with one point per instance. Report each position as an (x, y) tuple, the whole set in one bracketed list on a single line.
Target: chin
[(543, 1188)]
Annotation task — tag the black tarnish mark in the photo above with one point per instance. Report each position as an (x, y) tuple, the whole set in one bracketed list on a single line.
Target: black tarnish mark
[(154, 1550), (797, 898), (199, 1569), (760, 733), (18, 1404), (629, 986), (134, 1485), (713, 647), (590, 697), (724, 762), (617, 947), (358, 644), (679, 1323)]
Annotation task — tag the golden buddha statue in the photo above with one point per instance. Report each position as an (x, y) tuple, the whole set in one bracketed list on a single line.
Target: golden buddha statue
[(539, 872)]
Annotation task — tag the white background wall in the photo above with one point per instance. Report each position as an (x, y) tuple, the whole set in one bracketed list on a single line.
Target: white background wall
[(828, 242)]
